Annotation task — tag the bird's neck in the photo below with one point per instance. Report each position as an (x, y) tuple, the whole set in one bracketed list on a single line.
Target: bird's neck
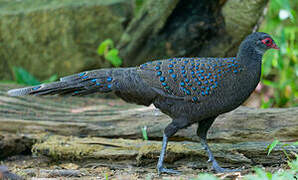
[(249, 56)]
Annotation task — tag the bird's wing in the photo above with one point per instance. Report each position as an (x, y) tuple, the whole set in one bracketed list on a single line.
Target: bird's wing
[(191, 79)]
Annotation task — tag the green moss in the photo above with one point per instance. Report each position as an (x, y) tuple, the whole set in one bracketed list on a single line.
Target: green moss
[(65, 148), (58, 36)]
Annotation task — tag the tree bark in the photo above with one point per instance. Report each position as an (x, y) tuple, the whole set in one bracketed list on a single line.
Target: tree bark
[(168, 28)]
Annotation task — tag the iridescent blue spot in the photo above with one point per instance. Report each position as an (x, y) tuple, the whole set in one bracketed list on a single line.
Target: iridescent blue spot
[(171, 71), (167, 87), (186, 80), (211, 80), (229, 65), (207, 77), (206, 92), (206, 82), (218, 70), (196, 79), (164, 84), (203, 65), (188, 92), (182, 67), (82, 74), (97, 84), (158, 73), (85, 77), (35, 88), (76, 92), (215, 76), (194, 98), (109, 79), (203, 87), (174, 76), (192, 72), (194, 88), (219, 75), (203, 93), (199, 83), (174, 62), (207, 88), (186, 61), (202, 71), (109, 86), (185, 75), (213, 86), (157, 67), (171, 65), (193, 76), (235, 71), (162, 79), (191, 67), (93, 80), (182, 83), (183, 71), (159, 63), (189, 84), (209, 74), (197, 67), (202, 77)]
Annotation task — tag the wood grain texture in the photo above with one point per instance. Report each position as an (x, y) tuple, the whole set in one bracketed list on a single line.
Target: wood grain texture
[(240, 136)]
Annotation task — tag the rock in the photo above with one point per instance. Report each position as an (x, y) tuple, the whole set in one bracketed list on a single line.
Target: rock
[(59, 36)]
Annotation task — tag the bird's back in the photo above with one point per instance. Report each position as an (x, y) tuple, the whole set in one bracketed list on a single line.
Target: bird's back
[(204, 85)]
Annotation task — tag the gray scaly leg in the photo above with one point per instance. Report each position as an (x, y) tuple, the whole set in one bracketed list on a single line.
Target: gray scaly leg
[(203, 128), (160, 167)]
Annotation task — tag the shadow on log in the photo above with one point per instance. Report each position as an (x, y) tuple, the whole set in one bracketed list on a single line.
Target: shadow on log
[(85, 128)]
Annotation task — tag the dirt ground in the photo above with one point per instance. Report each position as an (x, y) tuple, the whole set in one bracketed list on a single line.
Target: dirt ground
[(30, 167)]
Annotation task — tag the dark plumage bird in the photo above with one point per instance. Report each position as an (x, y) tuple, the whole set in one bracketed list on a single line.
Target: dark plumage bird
[(189, 90)]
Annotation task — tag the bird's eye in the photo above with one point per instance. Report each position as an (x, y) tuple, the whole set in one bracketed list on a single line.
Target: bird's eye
[(267, 41)]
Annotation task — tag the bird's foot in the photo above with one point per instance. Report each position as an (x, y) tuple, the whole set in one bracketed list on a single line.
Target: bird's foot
[(168, 171), (219, 169)]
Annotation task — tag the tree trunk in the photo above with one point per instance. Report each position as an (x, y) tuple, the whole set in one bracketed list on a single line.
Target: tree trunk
[(168, 28)]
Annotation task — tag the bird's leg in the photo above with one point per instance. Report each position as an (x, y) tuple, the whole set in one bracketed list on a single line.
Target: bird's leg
[(170, 130), (203, 128), (160, 167)]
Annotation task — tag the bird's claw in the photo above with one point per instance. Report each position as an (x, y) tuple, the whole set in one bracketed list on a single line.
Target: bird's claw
[(168, 171), (219, 169)]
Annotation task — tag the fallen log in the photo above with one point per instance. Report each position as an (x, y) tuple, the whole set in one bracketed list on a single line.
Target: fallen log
[(139, 152), (88, 116), (240, 136)]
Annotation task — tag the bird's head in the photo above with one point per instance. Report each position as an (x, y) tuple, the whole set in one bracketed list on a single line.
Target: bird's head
[(261, 41)]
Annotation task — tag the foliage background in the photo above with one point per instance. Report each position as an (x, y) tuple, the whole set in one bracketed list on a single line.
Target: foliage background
[(280, 68)]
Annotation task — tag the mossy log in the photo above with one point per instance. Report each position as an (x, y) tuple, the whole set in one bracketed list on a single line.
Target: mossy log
[(91, 125)]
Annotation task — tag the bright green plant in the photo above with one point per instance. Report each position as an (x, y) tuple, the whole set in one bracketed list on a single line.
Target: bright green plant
[(109, 52), (280, 68), (277, 142), (21, 76), (144, 133)]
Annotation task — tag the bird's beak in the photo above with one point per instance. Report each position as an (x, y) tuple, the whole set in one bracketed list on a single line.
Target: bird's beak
[(274, 46)]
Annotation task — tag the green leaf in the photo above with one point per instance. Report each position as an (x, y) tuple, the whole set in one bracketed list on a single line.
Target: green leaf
[(23, 77), (112, 56), (51, 79), (206, 176), (295, 143), (104, 46), (272, 145), (144, 132)]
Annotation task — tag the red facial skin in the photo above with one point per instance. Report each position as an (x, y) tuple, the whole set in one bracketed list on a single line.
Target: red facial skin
[(269, 42)]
